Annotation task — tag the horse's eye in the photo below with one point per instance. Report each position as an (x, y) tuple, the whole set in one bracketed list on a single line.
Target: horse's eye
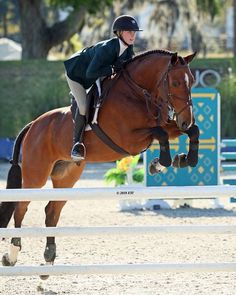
[(175, 83)]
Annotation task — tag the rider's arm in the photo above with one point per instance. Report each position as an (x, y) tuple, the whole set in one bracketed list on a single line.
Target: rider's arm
[(101, 64)]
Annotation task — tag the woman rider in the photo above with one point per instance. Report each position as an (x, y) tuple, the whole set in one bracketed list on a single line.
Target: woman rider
[(101, 60)]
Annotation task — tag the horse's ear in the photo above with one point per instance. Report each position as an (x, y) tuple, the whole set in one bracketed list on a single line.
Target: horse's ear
[(174, 58), (190, 57)]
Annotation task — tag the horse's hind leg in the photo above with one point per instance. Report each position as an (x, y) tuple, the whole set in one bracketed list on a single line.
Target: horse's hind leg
[(53, 209), (30, 181), (11, 258)]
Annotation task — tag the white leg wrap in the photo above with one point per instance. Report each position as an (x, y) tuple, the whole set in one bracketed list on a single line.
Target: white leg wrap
[(13, 253)]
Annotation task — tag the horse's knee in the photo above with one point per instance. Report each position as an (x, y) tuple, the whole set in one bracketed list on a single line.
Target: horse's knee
[(50, 252), (160, 134), (193, 132)]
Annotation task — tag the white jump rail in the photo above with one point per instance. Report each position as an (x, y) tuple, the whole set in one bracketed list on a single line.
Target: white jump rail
[(132, 193), (135, 193), (129, 230), (116, 269)]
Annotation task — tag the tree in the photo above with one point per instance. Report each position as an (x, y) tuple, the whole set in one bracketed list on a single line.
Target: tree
[(38, 37), (191, 13), (3, 16), (8, 16)]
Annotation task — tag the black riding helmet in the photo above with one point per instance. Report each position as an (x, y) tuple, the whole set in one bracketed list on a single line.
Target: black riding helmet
[(125, 23)]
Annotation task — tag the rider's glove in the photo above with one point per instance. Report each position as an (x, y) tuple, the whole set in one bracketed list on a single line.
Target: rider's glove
[(117, 66)]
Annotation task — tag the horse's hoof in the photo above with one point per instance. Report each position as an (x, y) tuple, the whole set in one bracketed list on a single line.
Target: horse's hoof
[(6, 262), (155, 167), (43, 277), (180, 161)]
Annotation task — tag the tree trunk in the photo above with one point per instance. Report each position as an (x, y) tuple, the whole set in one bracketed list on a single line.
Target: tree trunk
[(197, 42), (34, 37), (37, 38)]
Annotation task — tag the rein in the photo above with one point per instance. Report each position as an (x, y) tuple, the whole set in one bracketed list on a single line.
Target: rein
[(143, 92)]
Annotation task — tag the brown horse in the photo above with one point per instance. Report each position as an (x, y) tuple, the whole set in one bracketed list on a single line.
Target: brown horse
[(134, 113)]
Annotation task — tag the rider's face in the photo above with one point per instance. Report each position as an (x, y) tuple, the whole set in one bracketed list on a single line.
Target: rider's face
[(129, 36)]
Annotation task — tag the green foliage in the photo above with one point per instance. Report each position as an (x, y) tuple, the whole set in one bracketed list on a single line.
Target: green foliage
[(138, 175), (227, 91), (92, 5), (213, 63), (27, 90), (115, 175), (126, 171), (211, 7)]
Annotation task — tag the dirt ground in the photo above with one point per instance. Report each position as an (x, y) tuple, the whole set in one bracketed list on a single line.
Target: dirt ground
[(114, 249)]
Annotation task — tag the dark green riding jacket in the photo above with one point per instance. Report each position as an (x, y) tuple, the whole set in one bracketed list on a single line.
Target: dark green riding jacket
[(86, 66)]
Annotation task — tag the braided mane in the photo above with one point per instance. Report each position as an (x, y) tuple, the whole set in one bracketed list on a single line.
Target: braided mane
[(149, 52)]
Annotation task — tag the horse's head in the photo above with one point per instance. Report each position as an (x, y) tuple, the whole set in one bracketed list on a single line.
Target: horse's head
[(179, 81), (163, 79)]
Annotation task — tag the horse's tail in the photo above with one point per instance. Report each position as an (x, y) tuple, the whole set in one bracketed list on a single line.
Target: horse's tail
[(14, 178)]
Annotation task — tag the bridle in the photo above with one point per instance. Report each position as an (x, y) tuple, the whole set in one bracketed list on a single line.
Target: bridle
[(189, 102), (168, 96)]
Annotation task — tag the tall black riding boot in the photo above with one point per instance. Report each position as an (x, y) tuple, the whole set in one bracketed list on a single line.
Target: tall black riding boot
[(78, 151)]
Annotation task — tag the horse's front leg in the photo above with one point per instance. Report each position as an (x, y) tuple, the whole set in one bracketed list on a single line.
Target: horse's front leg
[(164, 160), (193, 134), (191, 159), (10, 259), (53, 211), (162, 136)]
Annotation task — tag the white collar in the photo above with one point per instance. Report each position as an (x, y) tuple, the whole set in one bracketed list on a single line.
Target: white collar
[(122, 47)]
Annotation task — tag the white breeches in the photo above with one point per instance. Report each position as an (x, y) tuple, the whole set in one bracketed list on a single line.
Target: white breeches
[(79, 94)]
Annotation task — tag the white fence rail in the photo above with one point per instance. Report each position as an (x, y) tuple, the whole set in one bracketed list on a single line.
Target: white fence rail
[(135, 193), (116, 269), (128, 230)]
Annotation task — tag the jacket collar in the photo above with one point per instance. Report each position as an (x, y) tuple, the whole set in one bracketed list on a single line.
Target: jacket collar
[(123, 47)]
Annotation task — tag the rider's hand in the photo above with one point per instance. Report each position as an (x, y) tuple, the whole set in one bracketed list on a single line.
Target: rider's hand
[(117, 67)]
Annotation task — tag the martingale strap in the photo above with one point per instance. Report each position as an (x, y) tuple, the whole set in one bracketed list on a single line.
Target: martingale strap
[(107, 140)]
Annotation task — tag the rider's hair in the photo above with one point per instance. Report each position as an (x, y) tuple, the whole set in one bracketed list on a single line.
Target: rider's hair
[(118, 33)]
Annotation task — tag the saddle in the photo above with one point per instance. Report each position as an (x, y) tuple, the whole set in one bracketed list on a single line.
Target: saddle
[(95, 102)]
